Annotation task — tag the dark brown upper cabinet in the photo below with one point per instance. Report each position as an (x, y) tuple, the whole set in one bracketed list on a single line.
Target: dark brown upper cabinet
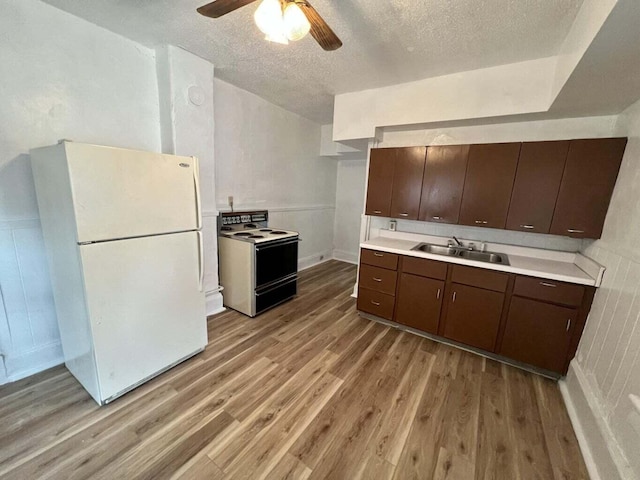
[(443, 181), (535, 190), (381, 171), (489, 181), (587, 184), (407, 182)]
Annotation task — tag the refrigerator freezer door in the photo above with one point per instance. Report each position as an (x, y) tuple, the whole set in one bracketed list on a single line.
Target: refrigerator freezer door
[(120, 193), (146, 309)]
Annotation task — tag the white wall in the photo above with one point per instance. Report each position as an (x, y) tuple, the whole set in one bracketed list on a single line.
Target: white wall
[(267, 158), (350, 188), (60, 77), (606, 370), (502, 132)]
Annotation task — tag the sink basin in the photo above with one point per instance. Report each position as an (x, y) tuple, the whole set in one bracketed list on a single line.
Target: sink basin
[(437, 249), (487, 257)]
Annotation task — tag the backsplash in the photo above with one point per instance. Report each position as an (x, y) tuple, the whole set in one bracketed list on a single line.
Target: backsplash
[(524, 239)]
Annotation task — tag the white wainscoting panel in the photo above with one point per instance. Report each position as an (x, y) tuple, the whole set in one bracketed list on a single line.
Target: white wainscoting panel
[(29, 335)]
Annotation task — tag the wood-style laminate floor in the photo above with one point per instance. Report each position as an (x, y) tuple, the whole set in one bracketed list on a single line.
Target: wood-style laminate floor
[(307, 390)]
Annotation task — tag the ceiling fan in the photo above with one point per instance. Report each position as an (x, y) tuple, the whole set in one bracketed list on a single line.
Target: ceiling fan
[(281, 20)]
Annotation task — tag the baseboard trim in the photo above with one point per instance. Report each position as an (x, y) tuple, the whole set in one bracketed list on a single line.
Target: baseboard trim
[(214, 303), (344, 256), (313, 260), (33, 361), (597, 443)]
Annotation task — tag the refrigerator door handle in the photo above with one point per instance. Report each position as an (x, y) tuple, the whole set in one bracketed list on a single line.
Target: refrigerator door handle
[(196, 183), (200, 262)]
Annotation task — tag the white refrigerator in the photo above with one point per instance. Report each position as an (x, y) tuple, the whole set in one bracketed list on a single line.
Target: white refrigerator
[(122, 230)]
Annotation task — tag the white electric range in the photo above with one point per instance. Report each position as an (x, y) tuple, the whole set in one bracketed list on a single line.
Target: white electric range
[(258, 264)]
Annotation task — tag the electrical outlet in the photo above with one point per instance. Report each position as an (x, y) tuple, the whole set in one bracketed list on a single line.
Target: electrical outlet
[(321, 257), (230, 200)]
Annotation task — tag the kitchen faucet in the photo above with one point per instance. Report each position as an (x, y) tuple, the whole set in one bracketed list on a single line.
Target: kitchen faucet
[(459, 245)]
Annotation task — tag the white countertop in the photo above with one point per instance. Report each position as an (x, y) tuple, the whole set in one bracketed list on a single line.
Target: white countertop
[(561, 266)]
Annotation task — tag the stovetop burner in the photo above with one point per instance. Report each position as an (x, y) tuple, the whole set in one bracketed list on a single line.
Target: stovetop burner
[(251, 225), (226, 229), (278, 232), (242, 234), (266, 230), (256, 236)]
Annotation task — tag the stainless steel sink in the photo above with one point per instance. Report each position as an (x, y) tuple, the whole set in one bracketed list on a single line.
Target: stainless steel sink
[(437, 249), (487, 257)]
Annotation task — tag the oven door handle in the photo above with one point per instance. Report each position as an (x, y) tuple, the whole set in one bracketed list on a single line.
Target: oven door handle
[(279, 244)]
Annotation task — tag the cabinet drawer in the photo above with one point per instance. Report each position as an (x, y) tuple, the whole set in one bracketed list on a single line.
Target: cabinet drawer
[(549, 290), (376, 303), (478, 277), (424, 267), (379, 259), (378, 279)]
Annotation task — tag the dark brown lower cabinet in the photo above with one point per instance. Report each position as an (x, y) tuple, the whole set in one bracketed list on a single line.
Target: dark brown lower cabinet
[(419, 301), (376, 303), (473, 316), (538, 333)]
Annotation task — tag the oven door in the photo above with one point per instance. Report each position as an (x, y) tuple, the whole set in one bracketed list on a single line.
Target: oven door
[(275, 261)]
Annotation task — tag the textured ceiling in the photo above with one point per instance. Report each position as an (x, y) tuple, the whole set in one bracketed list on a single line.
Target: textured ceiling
[(385, 42)]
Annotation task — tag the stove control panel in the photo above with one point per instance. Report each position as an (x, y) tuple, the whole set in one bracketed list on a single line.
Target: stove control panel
[(238, 218)]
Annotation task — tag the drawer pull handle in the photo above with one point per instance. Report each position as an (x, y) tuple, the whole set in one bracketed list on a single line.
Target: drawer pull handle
[(568, 324), (546, 284), (437, 218), (454, 297), (481, 222), (378, 254), (377, 279), (377, 304), (377, 212), (571, 230), (404, 214), (438, 294), (528, 227)]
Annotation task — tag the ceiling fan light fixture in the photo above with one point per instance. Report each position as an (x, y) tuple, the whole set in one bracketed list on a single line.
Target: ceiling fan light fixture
[(268, 18), (296, 24)]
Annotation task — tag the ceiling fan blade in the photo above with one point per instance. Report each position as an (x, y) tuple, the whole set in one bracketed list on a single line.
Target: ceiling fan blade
[(222, 7), (323, 34)]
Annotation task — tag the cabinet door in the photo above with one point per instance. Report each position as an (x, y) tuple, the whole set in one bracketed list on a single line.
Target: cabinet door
[(535, 190), (489, 181), (473, 316), (407, 182), (587, 184), (538, 333), (381, 170), (443, 181), (418, 302)]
